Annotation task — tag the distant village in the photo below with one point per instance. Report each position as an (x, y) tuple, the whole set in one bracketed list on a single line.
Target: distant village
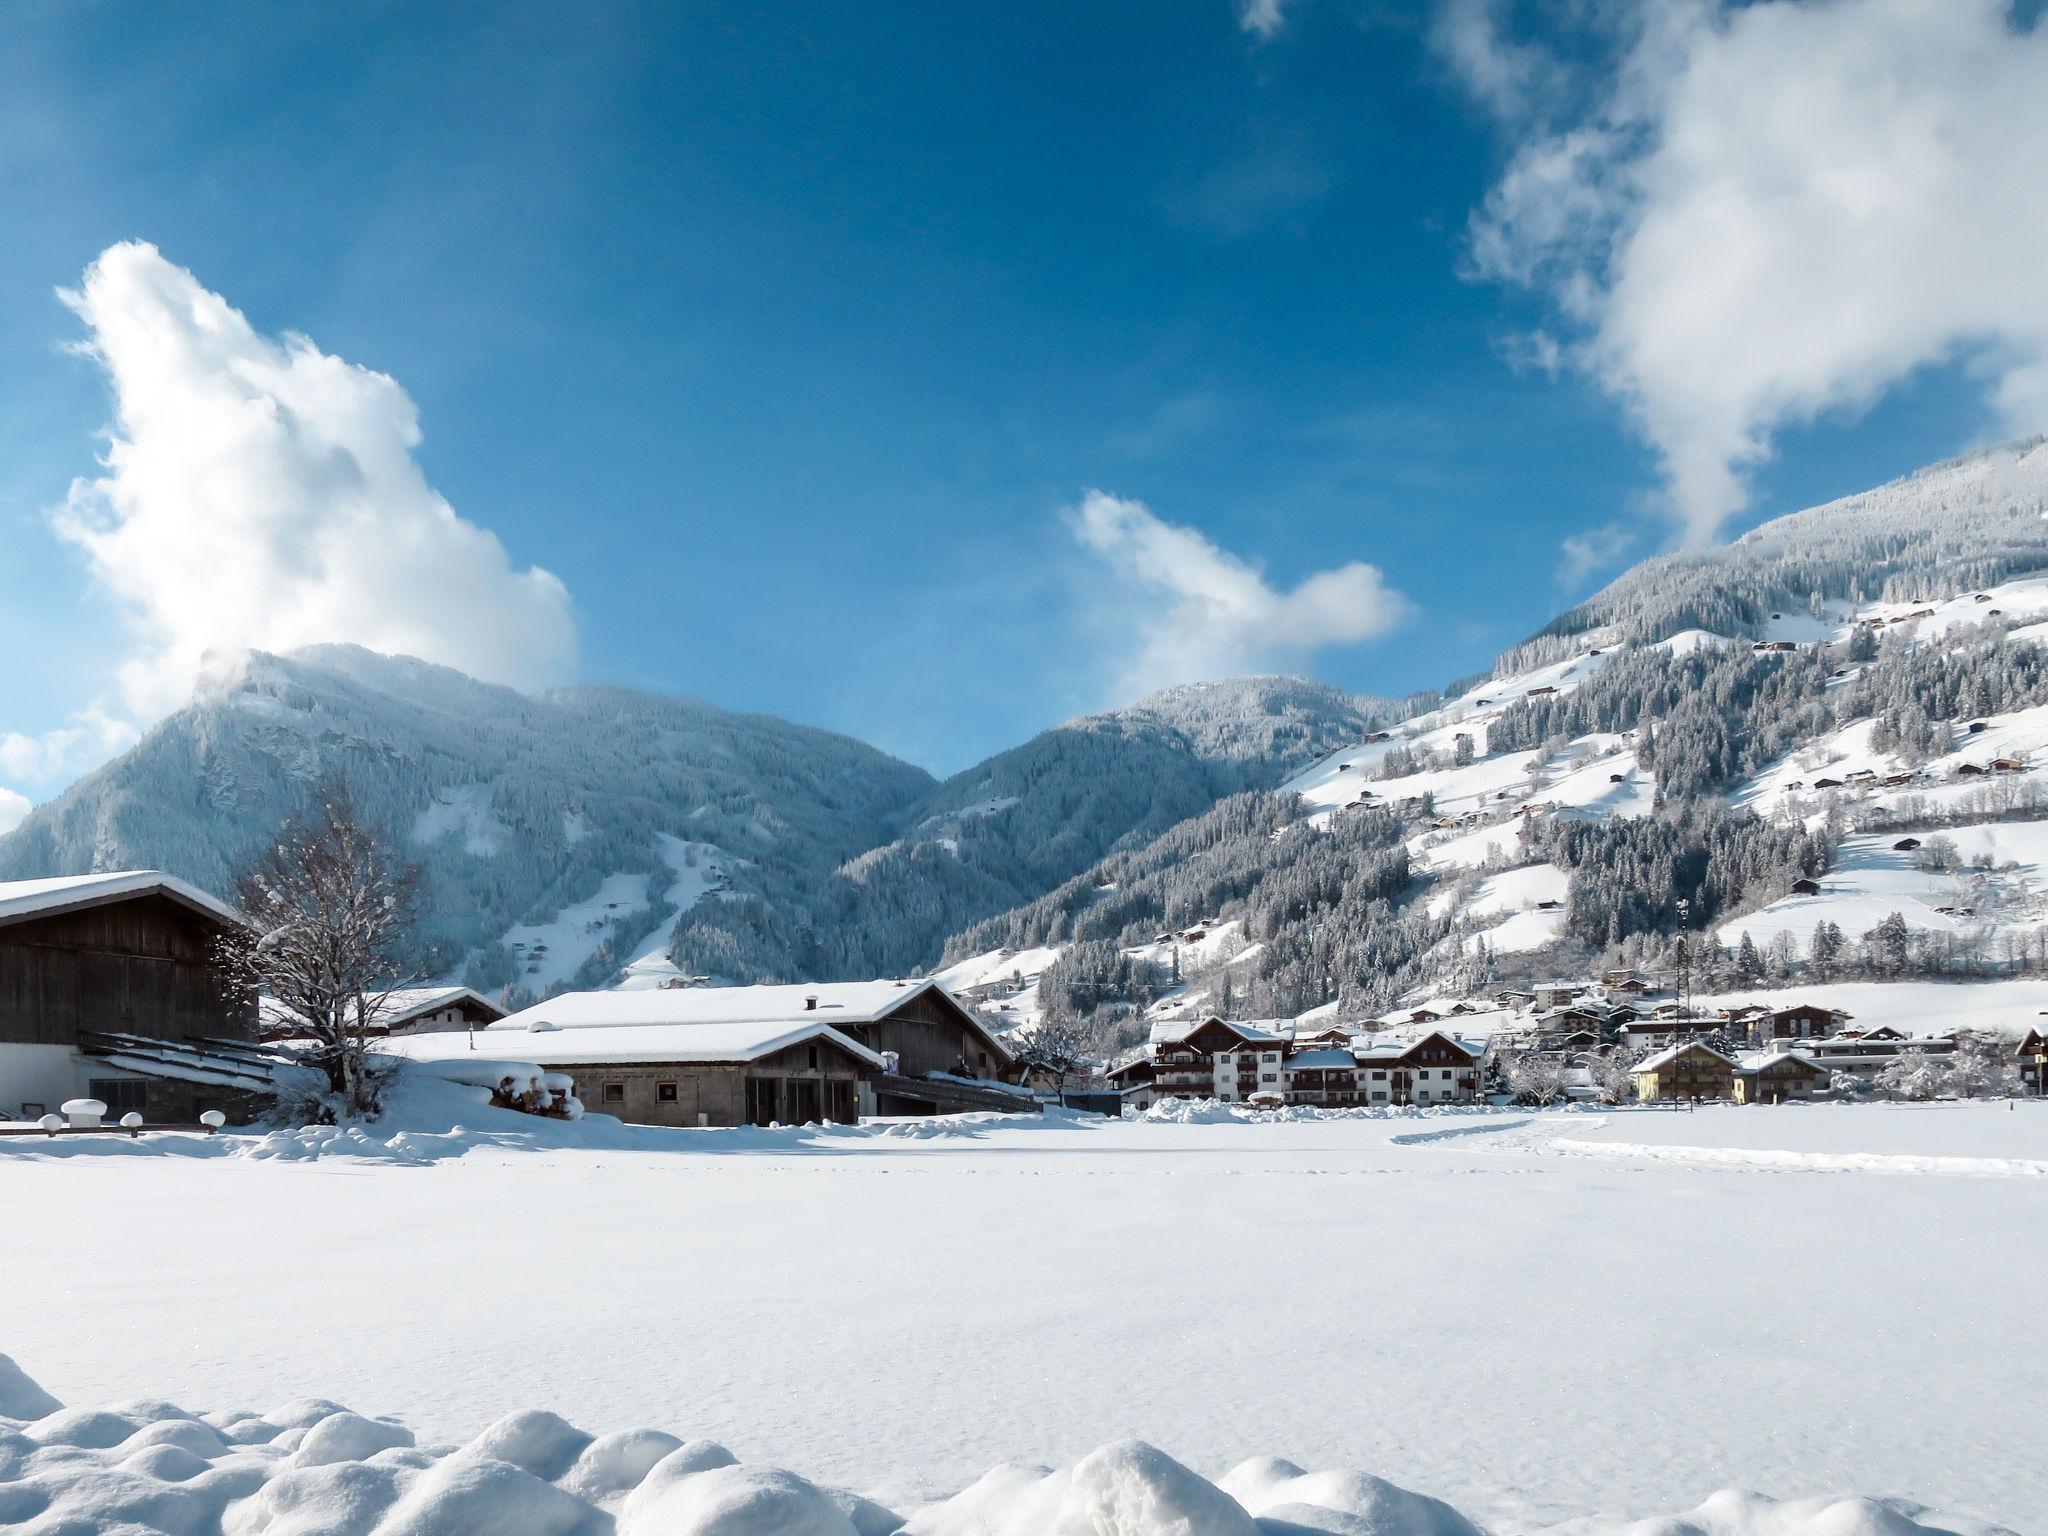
[(115, 1014)]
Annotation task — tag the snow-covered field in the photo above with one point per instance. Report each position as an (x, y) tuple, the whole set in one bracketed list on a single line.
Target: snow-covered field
[(1454, 1302)]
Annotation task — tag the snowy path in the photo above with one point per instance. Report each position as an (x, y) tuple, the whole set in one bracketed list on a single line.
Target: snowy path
[(1531, 1334)]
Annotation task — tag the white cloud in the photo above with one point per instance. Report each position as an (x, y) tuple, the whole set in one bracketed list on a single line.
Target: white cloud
[(13, 808), (258, 493), (1773, 211), (1263, 17), (1506, 77), (91, 736), (1590, 550), (1199, 612)]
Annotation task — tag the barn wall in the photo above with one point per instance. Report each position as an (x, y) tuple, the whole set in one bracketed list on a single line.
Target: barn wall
[(929, 1036), (144, 965), (718, 1090)]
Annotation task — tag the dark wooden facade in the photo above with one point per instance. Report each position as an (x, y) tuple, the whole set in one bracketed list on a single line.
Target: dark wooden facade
[(929, 1033), (143, 964), (137, 962)]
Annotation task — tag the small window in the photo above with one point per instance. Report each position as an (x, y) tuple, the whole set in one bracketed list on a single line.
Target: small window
[(34, 1111), (612, 1093), (665, 1092), (811, 1058)]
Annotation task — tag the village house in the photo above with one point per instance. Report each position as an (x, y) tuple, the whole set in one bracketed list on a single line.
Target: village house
[(1432, 1068), (2033, 1060), (1661, 1033), (1131, 1077), (1555, 994), (407, 1011), (1772, 1077), (1202, 1058), (1693, 1070), (92, 963), (1864, 1053), (1804, 1021), (754, 1055)]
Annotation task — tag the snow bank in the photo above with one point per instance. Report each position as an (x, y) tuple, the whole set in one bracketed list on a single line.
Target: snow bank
[(312, 1468), (1216, 1112)]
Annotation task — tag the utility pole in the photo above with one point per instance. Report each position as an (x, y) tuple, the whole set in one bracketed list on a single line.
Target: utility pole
[(1684, 958)]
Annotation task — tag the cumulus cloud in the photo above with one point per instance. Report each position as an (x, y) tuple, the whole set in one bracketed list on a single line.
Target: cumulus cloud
[(1201, 612), (1263, 18), (13, 808), (1767, 212), (258, 493)]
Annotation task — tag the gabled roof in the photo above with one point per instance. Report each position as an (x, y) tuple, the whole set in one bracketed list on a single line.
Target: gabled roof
[(602, 1044), (24, 899), (1761, 1059), (1251, 1031), (1671, 1053), (398, 1008), (847, 1002), (714, 1023)]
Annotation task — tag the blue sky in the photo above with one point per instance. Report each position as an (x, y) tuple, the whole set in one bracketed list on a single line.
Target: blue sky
[(789, 338)]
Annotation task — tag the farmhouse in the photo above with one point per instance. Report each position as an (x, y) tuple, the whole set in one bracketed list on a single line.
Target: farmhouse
[(130, 953), (753, 1055), (1690, 1071), (1771, 1077)]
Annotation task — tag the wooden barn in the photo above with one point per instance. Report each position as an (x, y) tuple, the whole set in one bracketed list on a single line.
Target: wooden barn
[(130, 953), (752, 1055)]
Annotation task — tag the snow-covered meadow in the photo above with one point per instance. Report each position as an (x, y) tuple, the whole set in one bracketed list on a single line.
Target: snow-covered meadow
[(1536, 1318)]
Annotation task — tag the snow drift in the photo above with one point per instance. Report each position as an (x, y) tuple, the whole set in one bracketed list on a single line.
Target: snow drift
[(312, 1468)]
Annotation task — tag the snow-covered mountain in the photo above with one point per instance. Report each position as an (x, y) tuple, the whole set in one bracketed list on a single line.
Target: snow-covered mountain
[(594, 835), (1854, 696)]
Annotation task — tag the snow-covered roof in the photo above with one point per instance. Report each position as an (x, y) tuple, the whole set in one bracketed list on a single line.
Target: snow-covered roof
[(1672, 1052), (599, 1044), (1324, 1058), (1260, 1031), (1758, 1060), (20, 899), (844, 1002), (399, 1007)]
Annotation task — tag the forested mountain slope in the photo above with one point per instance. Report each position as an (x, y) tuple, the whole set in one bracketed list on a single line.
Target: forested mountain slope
[(1853, 697), (590, 836)]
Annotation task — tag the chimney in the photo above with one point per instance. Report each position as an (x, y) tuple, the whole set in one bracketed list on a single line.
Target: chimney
[(810, 1002)]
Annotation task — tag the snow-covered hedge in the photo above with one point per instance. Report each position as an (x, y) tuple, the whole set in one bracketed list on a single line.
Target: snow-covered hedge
[(312, 1468)]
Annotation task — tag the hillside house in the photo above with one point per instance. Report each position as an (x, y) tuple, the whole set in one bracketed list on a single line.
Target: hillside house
[(754, 1055), (1555, 994), (2007, 765), (1772, 1077), (1693, 1070), (1805, 887), (132, 952)]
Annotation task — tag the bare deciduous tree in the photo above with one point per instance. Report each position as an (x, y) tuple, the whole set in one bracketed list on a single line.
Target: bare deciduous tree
[(332, 912)]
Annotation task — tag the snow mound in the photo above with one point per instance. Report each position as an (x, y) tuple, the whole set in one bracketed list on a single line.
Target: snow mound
[(312, 1468)]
